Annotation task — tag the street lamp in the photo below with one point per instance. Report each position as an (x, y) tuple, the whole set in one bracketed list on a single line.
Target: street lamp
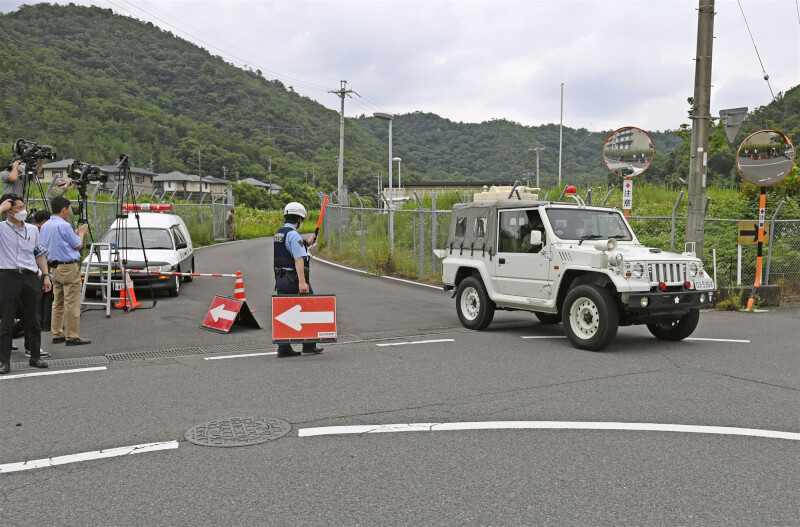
[(399, 174), (389, 117)]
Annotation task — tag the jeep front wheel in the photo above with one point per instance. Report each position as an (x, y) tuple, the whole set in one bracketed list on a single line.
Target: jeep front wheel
[(590, 317), (677, 329), (475, 310)]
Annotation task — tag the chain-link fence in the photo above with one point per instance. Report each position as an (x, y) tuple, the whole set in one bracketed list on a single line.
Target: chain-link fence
[(361, 234), (207, 222)]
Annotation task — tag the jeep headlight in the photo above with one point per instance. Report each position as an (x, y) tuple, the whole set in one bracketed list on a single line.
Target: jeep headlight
[(637, 270), (693, 269)]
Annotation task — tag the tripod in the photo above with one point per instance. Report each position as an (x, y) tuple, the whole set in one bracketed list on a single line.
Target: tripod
[(32, 177), (121, 210)]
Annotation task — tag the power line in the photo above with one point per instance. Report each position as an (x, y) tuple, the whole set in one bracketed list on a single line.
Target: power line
[(766, 77), (242, 61)]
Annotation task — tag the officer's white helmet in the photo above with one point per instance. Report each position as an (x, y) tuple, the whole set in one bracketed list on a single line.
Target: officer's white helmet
[(294, 208)]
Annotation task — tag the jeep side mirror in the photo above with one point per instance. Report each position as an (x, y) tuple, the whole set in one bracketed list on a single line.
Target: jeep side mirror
[(181, 245)]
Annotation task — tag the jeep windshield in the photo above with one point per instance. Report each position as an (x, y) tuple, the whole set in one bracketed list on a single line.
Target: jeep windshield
[(586, 224), (130, 239)]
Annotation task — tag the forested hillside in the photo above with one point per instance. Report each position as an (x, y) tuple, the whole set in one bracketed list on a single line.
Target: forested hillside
[(95, 84)]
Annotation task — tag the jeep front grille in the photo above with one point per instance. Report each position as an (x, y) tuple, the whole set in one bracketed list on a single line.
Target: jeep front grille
[(669, 273)]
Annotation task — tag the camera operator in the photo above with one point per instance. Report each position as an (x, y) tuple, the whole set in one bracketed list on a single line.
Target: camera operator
[(13, 183)]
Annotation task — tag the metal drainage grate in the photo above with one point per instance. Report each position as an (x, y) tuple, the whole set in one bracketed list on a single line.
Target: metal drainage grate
[(237, 431)]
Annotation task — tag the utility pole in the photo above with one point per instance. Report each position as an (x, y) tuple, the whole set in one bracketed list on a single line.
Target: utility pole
[(269, 171), (537, 148), (342, 92), (224, 172), (701, 117), (198, 163), (560, 134)]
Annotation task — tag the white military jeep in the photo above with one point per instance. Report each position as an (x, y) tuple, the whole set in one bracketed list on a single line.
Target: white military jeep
[(572, 263)]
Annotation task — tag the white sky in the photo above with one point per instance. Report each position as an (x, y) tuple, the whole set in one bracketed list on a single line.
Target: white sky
[(622, 62)]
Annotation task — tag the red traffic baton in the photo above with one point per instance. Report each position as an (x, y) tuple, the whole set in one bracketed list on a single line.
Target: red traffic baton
[(321, 214)]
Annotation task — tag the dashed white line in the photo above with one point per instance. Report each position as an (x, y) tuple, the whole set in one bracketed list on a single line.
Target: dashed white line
[(56, 372), (243, 355), (719, 340), (545, 337), (87, 456), (544, 425), (415, 342)]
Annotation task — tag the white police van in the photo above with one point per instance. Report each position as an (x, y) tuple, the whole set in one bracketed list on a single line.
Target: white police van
[(167, 249)]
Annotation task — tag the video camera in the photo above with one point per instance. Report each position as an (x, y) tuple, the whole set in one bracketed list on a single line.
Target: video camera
[(83, 173), (29, 152)]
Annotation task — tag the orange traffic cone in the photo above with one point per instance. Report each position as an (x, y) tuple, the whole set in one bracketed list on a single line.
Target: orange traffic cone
[(238, 289), (123, 295)]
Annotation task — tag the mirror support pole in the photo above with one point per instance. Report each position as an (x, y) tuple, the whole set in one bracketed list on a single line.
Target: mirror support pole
[(759, 256), (701, 117)]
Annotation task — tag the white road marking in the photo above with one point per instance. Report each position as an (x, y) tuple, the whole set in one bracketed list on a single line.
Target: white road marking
[(546, 337), (239, 356), (438, 287), (415, 342), (87, 456), (544, 425), (718, 340), (56, 372)]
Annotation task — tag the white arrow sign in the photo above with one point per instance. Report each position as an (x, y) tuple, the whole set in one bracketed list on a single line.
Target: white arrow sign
[(295, 318), (220, 312)]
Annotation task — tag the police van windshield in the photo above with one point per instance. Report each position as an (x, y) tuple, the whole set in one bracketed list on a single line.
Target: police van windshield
[(129, 238), (584, 224)]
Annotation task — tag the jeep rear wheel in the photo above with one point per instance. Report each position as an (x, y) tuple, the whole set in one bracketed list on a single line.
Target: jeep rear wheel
[(590, 317), (475, 310), (677, 329)]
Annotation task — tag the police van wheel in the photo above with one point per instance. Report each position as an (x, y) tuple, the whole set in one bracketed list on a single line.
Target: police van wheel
[(677, 329), (590, 317), (175, 290), (188, 279), (475, 310)]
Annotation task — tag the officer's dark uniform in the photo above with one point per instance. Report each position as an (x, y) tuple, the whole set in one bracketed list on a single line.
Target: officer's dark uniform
[(286, 279)]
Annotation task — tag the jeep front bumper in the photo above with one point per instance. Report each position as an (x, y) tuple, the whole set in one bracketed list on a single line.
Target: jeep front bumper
[(668, 302)]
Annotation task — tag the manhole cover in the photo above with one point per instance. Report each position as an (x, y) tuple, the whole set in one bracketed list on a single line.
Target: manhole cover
[(237, 431)]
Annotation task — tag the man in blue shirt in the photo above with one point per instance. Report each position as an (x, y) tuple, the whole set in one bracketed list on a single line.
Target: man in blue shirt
[(22, 257), (291, 262), (64, 256)]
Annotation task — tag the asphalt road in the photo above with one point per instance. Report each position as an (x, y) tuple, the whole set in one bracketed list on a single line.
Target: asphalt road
[(434, 372)]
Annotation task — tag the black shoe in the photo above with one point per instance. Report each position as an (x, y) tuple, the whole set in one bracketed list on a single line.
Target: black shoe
[(315, 350), (78, 341), (58, 340), (14, 347), (42, 353), (4, 368), (38, 363), (288, 354)]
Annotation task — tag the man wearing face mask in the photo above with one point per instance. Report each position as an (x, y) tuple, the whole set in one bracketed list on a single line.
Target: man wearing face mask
[(14, 180), (22, 256)]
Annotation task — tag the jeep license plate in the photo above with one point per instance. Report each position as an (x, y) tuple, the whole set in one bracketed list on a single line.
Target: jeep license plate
[(703, 284)]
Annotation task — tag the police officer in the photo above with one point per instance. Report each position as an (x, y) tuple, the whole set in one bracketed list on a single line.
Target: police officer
[(291, 263)]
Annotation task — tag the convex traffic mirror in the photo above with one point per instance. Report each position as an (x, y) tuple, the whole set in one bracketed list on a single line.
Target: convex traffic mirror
[(765, 157), (628, 151)]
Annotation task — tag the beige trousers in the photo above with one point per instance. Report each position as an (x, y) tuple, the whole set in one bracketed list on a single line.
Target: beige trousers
[(66, 301)]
